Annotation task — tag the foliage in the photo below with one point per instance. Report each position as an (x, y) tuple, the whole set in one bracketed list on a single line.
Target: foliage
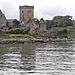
[(15, 31), (62, 34), (27, 30), (49, 24), (60, 21), (1, 31), (64, 22), (72, 34), (18, 31)]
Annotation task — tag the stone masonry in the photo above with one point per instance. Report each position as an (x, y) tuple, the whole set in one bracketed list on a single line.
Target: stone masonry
[(26, 14), (3, 21), (26, 20)]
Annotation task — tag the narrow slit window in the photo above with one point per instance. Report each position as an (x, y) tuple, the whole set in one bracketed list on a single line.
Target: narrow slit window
[(22, 11)]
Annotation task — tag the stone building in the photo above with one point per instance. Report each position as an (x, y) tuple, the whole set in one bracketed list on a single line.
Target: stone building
[(3, 21), (42, 25), (36, 26), (26, 14), (8, 24), (12, 23), (26, 20)]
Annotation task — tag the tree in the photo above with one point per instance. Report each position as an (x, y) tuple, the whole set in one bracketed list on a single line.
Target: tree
[(49, 24), (62, 34), (63, 21)]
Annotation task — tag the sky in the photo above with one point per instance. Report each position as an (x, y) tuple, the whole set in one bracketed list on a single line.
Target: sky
[(46, 9)]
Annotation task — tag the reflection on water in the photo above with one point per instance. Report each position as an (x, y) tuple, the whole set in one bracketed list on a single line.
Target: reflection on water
[(14, 63), (49, 59)]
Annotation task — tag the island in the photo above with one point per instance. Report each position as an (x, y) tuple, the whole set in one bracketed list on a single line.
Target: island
[(33, 30)]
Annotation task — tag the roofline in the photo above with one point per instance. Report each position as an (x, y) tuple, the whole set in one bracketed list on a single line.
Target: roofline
[(26, 6)]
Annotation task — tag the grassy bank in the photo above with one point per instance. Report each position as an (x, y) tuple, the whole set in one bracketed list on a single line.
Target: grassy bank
[(60, 35), (20, 37)]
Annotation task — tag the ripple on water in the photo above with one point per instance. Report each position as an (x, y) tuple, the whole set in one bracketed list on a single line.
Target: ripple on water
[(50, 59), (55, 59)]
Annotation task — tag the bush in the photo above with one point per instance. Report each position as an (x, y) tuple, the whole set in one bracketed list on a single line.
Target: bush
[(27, 30), (62, 34), (1, 31), (15, 31), (18, 31)]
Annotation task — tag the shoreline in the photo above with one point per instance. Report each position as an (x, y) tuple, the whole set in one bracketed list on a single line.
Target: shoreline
[(36, 41)]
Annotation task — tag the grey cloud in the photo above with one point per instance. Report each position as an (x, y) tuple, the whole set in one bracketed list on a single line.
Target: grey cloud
[(9, 9), (49, 12)]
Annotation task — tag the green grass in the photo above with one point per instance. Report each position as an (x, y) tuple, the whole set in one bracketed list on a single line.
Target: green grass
[(15, 37), (20, 37), (71, 34)]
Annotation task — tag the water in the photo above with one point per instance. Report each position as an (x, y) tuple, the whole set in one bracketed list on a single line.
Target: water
[(39, 59)]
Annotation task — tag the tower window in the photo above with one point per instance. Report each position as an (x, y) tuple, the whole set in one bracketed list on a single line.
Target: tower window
[(22, 11)]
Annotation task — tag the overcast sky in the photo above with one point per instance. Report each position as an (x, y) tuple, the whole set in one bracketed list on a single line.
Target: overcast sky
[(46, 9)]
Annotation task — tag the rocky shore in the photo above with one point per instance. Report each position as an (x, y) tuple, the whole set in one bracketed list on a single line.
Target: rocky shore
[(36, 41)]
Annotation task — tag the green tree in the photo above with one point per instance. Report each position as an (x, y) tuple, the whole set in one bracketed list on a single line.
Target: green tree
[(47, 24), (27, 30), (63, 21), (62, 34)]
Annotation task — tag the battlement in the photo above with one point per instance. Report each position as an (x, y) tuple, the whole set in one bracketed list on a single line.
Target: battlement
[(26, 7)]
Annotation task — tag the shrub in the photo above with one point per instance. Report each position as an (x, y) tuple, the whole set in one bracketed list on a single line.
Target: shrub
[(0, 31), (27, 30), (15, 31), (18, 31), (62, 34)]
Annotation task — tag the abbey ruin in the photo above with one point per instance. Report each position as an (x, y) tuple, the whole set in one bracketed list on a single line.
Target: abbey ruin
[(26, 20)]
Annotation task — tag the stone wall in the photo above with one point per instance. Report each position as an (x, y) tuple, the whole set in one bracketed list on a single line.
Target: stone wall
[(3, 21), (26, 13), (37, 26), (13, 23), (26, 20), (42, 25)]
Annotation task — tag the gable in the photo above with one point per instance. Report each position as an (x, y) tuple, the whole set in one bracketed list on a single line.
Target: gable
[(0, 14)]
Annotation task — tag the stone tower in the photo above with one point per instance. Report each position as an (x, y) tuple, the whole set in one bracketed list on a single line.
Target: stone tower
[(26, 14)]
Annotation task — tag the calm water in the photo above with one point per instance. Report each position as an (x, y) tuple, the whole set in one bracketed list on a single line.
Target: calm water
[(39, 59)]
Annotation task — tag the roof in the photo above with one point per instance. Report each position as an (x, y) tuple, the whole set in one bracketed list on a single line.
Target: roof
[(42, 20), (1, 14), (0, 11), (11, 20)]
